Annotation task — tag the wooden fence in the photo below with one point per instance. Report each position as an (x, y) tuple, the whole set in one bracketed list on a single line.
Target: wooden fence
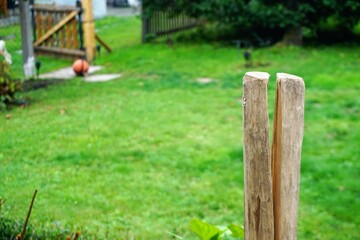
[(3, 8), (161, 23), (272, 178), (57, 30)]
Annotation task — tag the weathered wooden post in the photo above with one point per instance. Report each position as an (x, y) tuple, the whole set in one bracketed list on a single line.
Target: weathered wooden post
[(89, 30), (272, 182), (259, 219), (286, 153)]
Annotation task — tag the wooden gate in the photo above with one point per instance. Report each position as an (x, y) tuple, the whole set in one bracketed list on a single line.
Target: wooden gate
[(58, 30)]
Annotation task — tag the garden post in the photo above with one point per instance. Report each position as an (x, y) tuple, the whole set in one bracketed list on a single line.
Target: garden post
[(89, 30), (286, 153), (259, 219)]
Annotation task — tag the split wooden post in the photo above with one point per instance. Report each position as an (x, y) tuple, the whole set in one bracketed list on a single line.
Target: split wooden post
[(259, 219), (286, 153), (89, 30), (272, 184)]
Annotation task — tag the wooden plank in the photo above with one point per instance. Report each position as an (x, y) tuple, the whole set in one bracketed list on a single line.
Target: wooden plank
[(259, 219), (54, 8), (38, 24), (286, 154), (103, 43), (67, 39), (56, 35), (63, 33), (73, 53), (74, 35), (49, 24), (55, 28), (44, 24)]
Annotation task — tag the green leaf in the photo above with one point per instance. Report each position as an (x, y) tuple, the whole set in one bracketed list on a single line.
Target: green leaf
[(204, 230), (227, 237), (237, 231)]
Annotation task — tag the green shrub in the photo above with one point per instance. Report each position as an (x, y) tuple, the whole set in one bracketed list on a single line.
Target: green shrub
[(8, 87), (269, 19)]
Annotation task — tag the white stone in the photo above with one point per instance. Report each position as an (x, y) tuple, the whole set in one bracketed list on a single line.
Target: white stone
[(102, 77)]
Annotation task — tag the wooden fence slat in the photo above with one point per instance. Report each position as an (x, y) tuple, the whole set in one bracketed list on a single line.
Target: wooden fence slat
[(286, 154), (55, 28), (75, 34), (259, 218), (68, 39), (38, 23), (156, 20), (59, 32), (49, 24)]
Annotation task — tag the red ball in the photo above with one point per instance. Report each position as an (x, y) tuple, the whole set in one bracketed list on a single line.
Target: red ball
[(80, 67)]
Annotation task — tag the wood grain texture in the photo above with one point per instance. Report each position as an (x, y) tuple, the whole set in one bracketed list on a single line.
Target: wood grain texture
[(89, 30), (55, 51), (259, 219), (286, 154), (103, 43), (55, 28), (53, 8)]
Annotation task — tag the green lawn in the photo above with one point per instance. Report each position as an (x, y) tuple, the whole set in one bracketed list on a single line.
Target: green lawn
[(139, 157)]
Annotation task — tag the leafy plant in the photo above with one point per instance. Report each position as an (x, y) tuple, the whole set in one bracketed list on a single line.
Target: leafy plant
[(206, 231), (8, 87)]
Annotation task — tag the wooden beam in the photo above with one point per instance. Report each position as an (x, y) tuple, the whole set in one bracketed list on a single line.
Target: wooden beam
[(72, 53), (55, 28), (54, 8), (89, 30), (259, 219), (286, 154), (103, 43)]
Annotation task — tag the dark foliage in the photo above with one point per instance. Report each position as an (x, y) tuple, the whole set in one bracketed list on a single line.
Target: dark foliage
[(270, 18)]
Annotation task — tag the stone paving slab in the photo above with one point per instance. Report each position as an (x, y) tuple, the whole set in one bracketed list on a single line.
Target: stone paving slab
[(102, 77), (67, 73)]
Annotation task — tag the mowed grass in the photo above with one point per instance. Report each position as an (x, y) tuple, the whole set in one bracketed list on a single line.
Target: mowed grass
[(140, 156)]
